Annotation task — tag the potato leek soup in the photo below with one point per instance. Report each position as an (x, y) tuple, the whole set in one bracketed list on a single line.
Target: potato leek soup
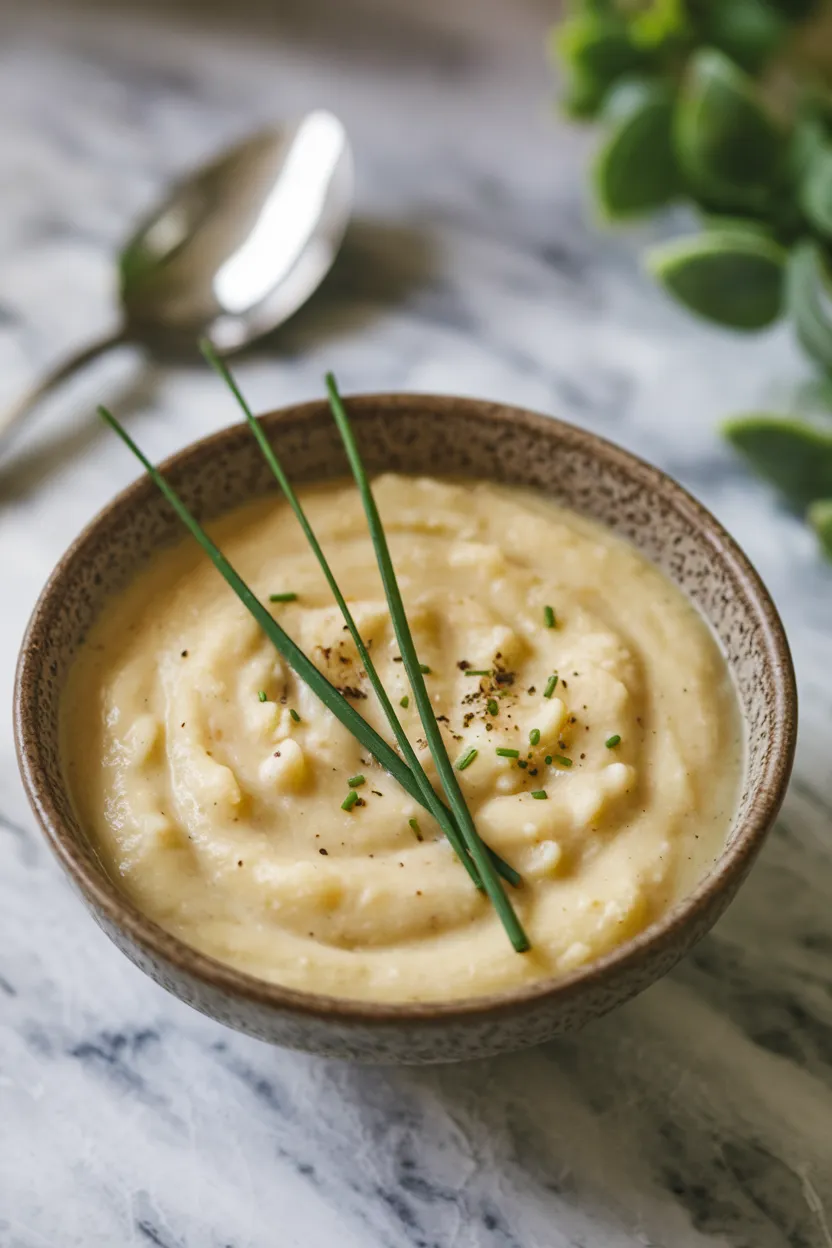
[(586, 705)]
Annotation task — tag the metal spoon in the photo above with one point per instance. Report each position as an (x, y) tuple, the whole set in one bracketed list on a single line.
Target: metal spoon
[(232, 252)]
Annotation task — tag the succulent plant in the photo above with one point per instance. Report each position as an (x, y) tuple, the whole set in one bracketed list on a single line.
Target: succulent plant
[(726, 105)]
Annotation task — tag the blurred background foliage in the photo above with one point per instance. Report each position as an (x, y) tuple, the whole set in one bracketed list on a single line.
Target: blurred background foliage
[(725, 105)]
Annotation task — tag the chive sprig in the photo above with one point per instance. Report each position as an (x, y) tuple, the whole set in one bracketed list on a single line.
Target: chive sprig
[(407, 648), (303, 667), (480, 861), (466, 759), (429, 798)]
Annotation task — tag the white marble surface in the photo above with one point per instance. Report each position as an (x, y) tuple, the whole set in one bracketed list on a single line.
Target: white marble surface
[(699, 1114)]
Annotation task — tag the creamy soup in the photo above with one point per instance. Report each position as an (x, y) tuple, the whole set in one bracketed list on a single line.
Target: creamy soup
[(212, 779)]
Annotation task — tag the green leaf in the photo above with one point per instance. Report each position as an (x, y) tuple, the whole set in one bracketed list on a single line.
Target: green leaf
[(600, 8), (748, 31), (660, 24), (726, 142), (598, 47), (582, 96), (816, 190), (635, 169), (593, 50), (725, 203), (721, 224), (820, 518), (809, 297), (733, 277), (793, 455), (809, 139), (795, 10)]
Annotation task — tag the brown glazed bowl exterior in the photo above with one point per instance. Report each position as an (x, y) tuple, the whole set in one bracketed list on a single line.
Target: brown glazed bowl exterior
[(441, 436)]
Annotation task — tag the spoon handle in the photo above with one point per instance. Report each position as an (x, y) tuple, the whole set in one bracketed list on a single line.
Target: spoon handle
[(13, 417)]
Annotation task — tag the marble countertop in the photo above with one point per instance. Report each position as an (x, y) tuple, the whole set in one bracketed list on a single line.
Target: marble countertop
[(699, 1114)]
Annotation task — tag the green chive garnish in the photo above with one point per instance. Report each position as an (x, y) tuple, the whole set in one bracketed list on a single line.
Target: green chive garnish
[(548, 617), (563, 762), (412, 775), (417, 831), (444, 767), (290, 597), (478, 671), (502, 752), (534, 736), (303, 666), (424, 669), (548, 760), (261, 693), (612, 742), (540, 795), (355, 782), (551, 685), (350, 800), (294, 714), (405, 702), (467, 759), (493, 706)]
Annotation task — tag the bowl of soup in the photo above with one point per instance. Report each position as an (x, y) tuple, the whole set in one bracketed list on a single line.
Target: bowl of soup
[(608, 674)]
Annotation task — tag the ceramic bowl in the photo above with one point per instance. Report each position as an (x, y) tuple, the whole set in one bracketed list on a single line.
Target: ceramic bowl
[(440, 436)]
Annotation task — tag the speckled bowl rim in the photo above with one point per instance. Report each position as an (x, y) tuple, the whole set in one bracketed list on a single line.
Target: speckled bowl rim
[(736, 859)]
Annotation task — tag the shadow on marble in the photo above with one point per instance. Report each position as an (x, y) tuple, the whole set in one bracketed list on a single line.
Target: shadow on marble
[(381, 266), (73, 428)]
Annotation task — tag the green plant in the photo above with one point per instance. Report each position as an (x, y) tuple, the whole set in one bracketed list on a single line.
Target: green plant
[(725, 105)]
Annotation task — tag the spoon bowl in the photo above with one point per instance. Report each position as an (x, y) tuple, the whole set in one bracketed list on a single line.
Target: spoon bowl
[(232, 251), (239, 246)]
